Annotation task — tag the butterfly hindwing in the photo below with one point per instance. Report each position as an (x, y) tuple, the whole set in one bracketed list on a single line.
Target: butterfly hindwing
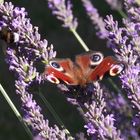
[(109, 65)]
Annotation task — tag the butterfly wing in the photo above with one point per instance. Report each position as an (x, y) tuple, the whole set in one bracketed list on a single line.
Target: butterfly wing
[(88, 61), (88, 67), (109, 65), (61, 70)]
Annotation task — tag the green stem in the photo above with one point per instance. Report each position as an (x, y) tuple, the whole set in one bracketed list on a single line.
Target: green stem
[(122, 13), (114, 85), (79, 39), (7, 98), (51, 109)]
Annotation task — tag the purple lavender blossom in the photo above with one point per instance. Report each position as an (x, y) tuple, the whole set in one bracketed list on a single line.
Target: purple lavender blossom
[(95, 18), (21, 61), (127, 51), (33, 117), (123, 40), (98, 121), (90, 129), (63, 11), (126, 47), (133, 9), (15, 20)]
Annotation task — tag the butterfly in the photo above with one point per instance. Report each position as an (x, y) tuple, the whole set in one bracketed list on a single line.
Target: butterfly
[(88, 68)]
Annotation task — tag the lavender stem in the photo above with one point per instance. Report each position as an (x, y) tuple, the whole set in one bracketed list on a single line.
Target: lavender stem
[(114, 85), (59, 121), (80, 40), (122, 13), (7, 98)]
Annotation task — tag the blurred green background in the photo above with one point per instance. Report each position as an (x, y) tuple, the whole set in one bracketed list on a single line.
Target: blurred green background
[(66, 46)]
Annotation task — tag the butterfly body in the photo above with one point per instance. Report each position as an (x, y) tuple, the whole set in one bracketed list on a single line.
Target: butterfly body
[(87, 68)]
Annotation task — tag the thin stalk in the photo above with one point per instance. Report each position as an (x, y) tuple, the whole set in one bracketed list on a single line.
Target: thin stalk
[(51, 109), (122, 13), (7, 98), (114, 85), (85, 47)]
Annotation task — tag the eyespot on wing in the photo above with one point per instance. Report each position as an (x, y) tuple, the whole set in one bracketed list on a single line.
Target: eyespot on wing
[(52, 79), (116, 69), (54, 64), (108, 65), (96, 58)]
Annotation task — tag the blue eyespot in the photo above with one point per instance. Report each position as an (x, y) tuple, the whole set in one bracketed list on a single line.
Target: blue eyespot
[(56, 65), (96, 58)]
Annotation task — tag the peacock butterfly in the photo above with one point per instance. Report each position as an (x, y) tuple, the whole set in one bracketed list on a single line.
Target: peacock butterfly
[(87, 68)]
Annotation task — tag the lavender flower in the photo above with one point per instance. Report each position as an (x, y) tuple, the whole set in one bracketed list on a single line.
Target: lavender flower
[(90, 129), (126, 51), (14, 19), (102, 116), (99, 123), (95, 18), (21, 61), (132, 8), (33, 117), (125, 42), (64, 13)]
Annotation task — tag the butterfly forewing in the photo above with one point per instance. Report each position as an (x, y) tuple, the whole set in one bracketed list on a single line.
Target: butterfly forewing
[(88, 61), (62, 69), (104, 68)]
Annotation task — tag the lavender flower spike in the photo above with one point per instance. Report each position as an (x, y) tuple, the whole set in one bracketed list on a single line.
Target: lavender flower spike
[(100, 124), (95, 18), (126, 46), (21, 57), (14, 19), (32, 112), (63, 12)]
